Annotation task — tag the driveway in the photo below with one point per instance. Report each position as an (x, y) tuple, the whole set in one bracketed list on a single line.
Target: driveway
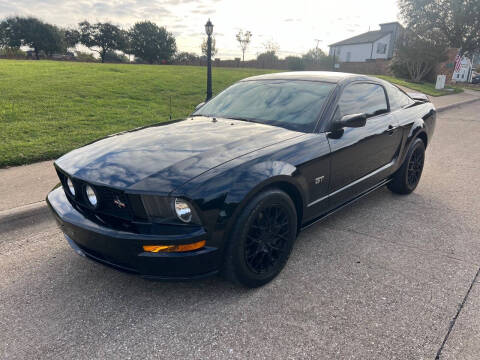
[(390, 277)]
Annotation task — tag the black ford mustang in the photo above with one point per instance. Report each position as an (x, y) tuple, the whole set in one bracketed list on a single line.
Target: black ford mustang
[(229, 188)]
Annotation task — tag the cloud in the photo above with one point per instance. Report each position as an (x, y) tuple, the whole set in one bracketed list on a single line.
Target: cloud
[(203, 11)]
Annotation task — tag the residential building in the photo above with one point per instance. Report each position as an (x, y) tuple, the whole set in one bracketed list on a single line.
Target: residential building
[(378, 44)]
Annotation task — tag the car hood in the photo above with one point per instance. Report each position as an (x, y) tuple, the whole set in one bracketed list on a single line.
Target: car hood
[(162, 157)]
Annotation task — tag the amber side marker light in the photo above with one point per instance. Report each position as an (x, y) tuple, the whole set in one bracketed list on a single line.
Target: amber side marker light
[(174, 248)]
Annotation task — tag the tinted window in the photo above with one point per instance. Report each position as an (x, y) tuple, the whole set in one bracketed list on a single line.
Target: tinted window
[(362, 98), (397, 98), (293, 104)]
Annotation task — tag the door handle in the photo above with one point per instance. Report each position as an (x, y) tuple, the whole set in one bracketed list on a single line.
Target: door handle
[(391, 129)]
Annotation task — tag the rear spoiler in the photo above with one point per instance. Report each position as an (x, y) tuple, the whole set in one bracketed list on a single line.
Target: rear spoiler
[(418, 96)]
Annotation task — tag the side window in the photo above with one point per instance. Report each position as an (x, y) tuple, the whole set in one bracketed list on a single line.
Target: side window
[(362, 98), (397, 98), (381, 48)]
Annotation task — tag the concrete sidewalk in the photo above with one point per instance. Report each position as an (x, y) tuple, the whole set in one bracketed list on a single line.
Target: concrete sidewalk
[(25, 185), (446, 102), (22, 186)]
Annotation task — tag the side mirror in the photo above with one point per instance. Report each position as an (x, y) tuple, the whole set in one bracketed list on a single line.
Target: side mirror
[(353, 121), (199, 105)]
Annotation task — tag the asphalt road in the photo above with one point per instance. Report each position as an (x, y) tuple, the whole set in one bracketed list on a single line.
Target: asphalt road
[(390, 277)]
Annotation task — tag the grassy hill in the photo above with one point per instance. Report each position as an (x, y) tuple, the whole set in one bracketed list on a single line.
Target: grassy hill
[(48, 108)]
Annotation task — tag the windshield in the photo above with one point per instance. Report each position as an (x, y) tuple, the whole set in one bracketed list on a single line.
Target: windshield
[(293, 104)]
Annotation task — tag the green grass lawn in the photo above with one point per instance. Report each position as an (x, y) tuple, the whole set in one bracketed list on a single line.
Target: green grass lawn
[(48, 108), (426, 88)]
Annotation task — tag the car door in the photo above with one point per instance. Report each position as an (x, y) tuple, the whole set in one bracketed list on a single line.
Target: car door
[(361, 157)]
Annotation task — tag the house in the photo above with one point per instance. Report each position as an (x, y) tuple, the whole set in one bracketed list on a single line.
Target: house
[(378, 44)]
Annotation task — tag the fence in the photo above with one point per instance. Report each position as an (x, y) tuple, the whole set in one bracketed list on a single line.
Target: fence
[(374, 67)]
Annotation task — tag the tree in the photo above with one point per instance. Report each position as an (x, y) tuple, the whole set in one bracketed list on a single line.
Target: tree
[(113, 57), (267, 59), (152, 43), (314, 56), (244, 39), (214, 47), (271, 46), (10, 41), (85, 56), (457, 21), (4, 37), (102, 37), (31, 32), (186, 57), (295, 63), (9, 37), (418, 55), (71, 37), (317, 58), (128, 47)]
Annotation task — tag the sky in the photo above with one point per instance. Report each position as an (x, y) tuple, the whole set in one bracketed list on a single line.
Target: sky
[(294, 25)]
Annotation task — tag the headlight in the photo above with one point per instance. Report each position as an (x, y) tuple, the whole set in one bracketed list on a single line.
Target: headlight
[(183, 210), (91, 196), (70, 186)]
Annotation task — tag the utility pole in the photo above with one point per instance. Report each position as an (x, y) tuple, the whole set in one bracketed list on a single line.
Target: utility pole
[(316, 51)]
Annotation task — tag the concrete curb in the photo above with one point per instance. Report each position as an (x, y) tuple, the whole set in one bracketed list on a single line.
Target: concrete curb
[(23, 212), (448, 107)]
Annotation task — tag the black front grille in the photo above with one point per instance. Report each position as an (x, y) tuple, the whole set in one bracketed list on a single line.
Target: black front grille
[(113, 203), (114, 206)]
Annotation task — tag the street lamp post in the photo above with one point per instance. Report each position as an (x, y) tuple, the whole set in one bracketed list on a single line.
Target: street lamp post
[(209, 31)]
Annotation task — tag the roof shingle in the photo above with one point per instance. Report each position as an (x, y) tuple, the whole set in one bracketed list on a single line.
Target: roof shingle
[(367, 37)]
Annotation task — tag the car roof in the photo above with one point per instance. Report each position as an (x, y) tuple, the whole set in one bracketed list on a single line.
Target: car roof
[(325, 76)]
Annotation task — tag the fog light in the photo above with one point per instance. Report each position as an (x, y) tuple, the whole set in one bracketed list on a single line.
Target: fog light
[(71, 188), (91, 196), (174, 248)]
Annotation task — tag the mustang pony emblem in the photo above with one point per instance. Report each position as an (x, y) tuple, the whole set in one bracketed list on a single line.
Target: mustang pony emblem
[(119, 203)]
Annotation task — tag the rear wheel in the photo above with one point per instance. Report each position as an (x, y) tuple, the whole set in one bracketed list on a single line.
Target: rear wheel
[(262, 239), (408, 176)]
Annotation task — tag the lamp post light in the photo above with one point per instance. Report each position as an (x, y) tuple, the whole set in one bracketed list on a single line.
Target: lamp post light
[(209, 31)]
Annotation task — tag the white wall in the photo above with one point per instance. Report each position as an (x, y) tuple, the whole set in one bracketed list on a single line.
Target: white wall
[(361, 52), (358, 52), (384, 40)]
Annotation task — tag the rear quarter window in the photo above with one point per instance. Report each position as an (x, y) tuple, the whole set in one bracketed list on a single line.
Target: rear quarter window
[(398, 99)]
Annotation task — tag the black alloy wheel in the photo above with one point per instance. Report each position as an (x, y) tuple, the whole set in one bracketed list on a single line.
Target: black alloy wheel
[(267, 238), (406, 179), (415, 167), (262, 239)]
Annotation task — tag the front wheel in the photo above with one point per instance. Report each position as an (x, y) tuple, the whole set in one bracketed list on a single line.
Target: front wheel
[(408, 176), (262, 239)]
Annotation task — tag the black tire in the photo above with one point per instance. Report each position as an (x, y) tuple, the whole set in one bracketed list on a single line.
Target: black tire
[(261, 240), (408, 176)]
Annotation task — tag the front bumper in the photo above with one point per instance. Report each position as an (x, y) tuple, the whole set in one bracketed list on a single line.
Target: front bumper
[(124, 250)]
